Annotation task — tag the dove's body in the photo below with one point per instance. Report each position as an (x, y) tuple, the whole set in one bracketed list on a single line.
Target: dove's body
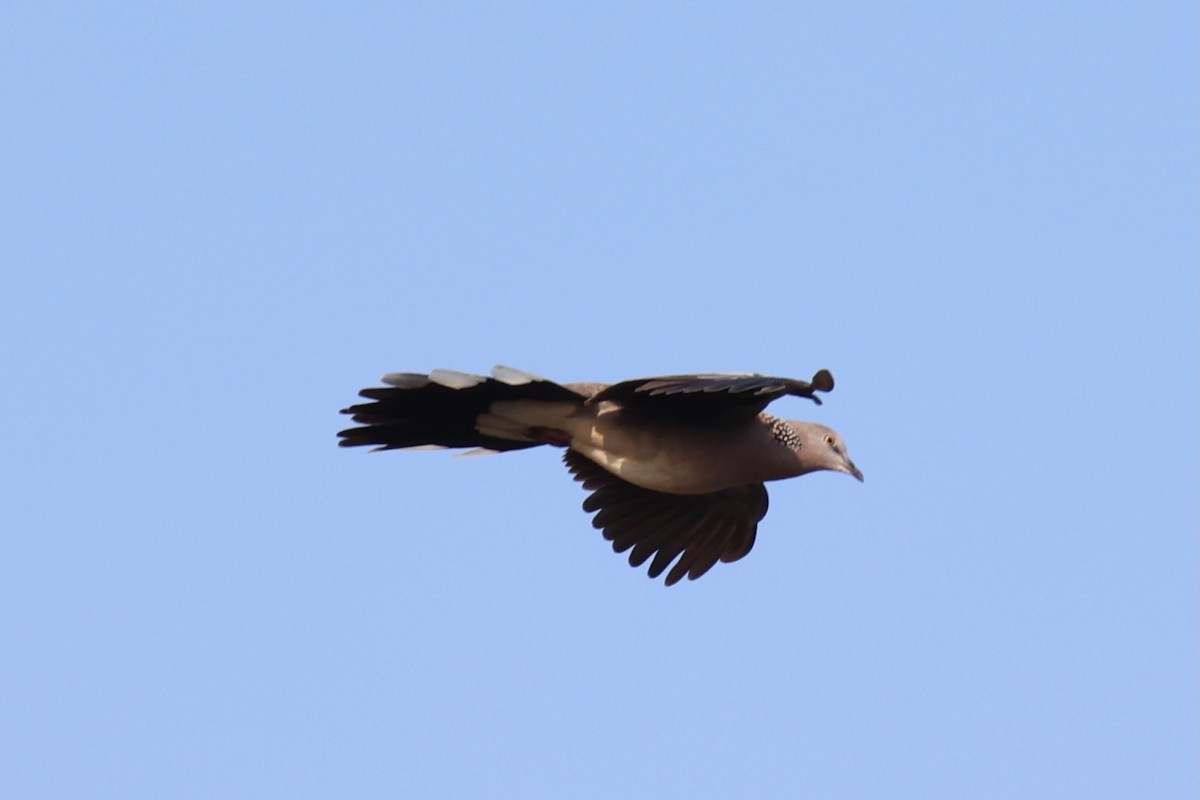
[(677, 463)]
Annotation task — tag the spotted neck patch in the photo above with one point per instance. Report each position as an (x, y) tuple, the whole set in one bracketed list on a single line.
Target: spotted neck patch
[(784, 433)]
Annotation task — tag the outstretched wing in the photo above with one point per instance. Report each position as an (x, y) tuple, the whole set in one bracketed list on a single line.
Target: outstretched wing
[(699, 529), (708, 395)]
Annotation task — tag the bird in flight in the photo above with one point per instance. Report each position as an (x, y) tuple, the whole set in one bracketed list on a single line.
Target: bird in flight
[(675, 465)]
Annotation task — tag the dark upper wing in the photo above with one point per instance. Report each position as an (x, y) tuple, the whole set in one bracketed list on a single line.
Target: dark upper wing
[(699, 529), (710, 394)]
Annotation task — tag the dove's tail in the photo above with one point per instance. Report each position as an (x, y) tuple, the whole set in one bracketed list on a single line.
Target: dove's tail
[(456, 409)]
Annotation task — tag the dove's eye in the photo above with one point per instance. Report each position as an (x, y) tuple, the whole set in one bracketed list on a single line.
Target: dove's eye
[(829, 440)]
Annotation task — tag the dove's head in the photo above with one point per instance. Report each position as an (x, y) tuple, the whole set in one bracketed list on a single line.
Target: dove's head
[(813, 447)]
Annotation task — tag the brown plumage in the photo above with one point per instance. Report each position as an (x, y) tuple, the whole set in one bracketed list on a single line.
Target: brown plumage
[(675, 465)]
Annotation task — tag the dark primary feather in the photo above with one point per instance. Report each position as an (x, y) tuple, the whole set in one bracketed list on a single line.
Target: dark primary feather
[(699, 530), (710, 394)]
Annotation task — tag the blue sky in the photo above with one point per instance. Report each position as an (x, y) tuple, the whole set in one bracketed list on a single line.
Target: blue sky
[(219, 223)]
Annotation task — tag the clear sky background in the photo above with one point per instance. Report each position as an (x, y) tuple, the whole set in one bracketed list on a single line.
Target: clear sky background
[(218, 224)]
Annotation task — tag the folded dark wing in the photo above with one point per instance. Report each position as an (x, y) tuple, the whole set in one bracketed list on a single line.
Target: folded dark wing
[(699, 530), (708, 395)]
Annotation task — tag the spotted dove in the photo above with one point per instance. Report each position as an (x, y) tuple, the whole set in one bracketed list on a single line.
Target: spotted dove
[(675, 465)]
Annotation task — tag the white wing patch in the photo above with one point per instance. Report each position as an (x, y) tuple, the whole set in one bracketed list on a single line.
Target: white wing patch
[(455, 380), (514, 377), (406, 380), (478, 451)]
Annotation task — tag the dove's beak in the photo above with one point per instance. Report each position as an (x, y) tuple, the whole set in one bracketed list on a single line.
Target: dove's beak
[(849, 468)]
